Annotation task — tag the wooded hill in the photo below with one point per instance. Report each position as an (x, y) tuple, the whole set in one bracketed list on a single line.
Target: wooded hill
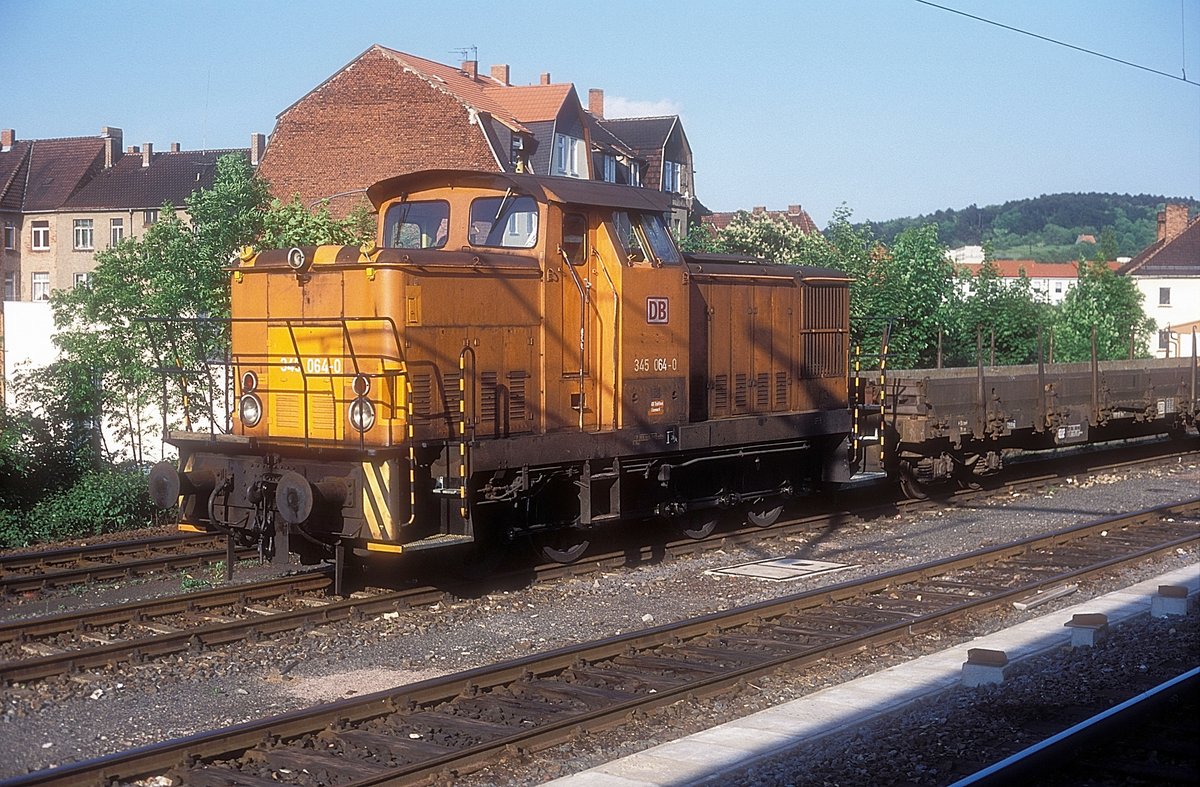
[(1045, 228)]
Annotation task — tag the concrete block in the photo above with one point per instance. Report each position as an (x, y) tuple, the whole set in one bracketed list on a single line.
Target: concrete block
[(983, 666), (1088, 629), (1169, 601)]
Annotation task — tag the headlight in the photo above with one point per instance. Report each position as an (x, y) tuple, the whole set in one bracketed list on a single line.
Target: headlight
[(249, 381), (362, 414), (250, 409)]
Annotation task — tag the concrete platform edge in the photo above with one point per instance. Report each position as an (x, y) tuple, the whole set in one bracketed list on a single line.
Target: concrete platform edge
[(702, 758)]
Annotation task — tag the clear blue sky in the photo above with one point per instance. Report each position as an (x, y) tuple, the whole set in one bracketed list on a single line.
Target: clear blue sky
[(889, 106)]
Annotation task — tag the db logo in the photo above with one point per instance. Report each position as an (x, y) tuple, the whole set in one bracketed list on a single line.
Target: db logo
[(657, 311)]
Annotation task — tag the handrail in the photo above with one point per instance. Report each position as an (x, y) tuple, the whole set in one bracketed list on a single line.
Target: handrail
[(464, 456), (584, 301), (616, 331)]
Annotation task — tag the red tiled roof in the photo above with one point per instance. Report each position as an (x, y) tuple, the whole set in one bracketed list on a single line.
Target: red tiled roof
[(57, 168), (170, 178), (1180, 255), (1011, 269), (532, 103), (14, 164)]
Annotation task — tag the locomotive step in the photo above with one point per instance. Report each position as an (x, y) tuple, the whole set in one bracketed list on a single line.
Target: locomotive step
[(437, 542)]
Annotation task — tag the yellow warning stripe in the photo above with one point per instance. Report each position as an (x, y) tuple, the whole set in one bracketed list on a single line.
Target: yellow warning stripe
[(378, 546)]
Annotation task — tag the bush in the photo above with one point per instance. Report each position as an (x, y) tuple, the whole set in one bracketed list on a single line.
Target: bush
[(101, 501)]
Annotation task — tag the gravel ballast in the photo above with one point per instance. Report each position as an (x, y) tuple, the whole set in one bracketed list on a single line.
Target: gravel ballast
[(64, 720)]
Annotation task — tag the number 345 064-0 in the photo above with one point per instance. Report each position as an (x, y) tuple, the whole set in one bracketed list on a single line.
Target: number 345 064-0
[(655, 364)]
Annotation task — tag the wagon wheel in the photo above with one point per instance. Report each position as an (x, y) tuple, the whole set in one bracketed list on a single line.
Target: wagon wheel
[(563, 545), (913, 489), (763, 512), (700, 524)]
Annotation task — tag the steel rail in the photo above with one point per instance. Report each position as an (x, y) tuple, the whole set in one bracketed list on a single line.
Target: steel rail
[(97, 655), (120, 570), (111, 549), (1119, 535)]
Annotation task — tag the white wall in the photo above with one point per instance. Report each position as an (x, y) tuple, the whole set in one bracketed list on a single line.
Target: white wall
[(1184, 307)]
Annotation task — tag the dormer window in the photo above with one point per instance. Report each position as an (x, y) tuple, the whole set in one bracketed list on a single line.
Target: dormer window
[(672, 177), (610, 169), (568, 157)]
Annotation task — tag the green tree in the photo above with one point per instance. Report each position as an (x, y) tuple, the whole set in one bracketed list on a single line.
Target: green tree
[(912, 286), (287, 224), (1109, 303), (1006, 313), (763, 236)]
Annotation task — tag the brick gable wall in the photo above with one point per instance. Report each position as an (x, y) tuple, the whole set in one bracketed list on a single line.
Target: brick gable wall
[(371, 121)]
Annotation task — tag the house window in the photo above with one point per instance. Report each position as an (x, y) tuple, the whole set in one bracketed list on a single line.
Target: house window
[(116, 231), (673, 177), (80, 279), (635, 174), (41, 286), (1164, 340), (10, 285), (150, 217), (41, 236), (567, 152), (10, 236), (610, 169), (83, 234), (1164, 296), (1058, 285)]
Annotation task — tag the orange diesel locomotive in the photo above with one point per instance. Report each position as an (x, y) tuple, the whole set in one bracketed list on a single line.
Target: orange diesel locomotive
[(517, 356)]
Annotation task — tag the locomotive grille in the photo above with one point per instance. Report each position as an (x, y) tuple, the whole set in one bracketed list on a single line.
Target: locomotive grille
[(823, 355), (453, 395), (762, 391), (516, 396), (741, 398), (287, 411), (721, 392), (487, 398), (781, 390), (422, 394)]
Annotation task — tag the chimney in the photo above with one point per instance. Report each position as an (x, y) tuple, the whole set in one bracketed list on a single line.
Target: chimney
[(147, 152), (546, 78), (759, 210), (1172, 221), (471, 68), (7, 137), (596, 102), (793, 210), (174, 147), (132, 149), (258, 146), (500, 74)]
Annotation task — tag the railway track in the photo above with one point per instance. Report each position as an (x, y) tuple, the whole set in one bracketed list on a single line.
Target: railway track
[(75, 565), (1149, 739), (452, 724), (45, 647)]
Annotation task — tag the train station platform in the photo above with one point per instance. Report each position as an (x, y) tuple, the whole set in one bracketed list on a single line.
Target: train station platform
[(703, 758)]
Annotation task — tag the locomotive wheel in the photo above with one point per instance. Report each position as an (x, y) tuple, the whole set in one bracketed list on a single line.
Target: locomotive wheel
[(912, 488), (763, 513), (700, 524), (565, 545)]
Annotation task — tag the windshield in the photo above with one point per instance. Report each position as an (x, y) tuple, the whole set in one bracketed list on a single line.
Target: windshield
[(507, 222), (637, 231), (416, 225)]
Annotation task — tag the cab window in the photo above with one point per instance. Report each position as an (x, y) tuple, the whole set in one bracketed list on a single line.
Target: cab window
[(574, 241), (416, 225), (644, 238), (508, 222)]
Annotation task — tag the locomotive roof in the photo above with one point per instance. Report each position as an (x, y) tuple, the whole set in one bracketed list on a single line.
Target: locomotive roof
[(571, 191), (740, 263)]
